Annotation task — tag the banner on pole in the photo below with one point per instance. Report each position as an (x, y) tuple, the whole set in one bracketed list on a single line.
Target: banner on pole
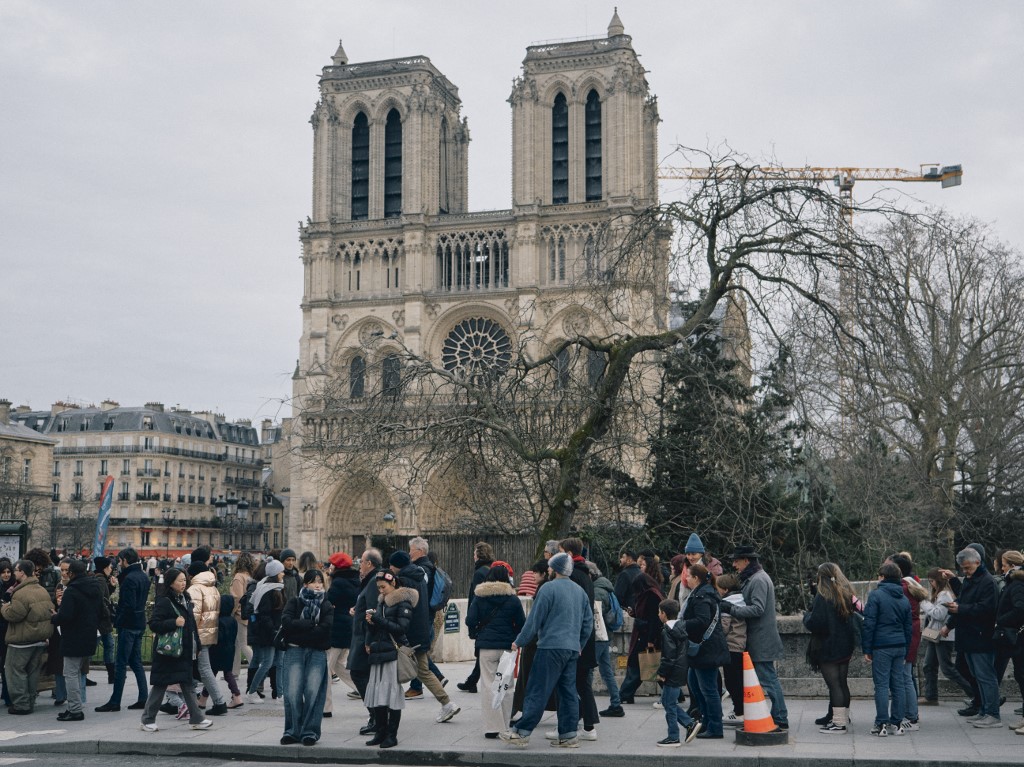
[(103, 518)]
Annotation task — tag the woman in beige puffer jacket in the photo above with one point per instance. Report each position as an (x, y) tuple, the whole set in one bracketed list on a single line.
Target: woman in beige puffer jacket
[(206, 608)]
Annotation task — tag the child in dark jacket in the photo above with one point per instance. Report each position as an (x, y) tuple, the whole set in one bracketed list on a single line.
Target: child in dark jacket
[(222, 654), (672, 675)]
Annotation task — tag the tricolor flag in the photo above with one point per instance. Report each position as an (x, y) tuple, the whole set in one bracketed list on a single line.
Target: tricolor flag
[(103, 518)]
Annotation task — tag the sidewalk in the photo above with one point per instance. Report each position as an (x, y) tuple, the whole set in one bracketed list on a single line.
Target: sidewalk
[(254, 731)]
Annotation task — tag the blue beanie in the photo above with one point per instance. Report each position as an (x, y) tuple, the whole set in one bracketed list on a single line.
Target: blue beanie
[(694, 545)]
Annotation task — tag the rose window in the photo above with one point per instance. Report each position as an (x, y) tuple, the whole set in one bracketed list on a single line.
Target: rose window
[(476, 348)]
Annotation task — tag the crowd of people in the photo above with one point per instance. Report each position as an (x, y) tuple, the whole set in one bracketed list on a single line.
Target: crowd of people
[(371, 624)]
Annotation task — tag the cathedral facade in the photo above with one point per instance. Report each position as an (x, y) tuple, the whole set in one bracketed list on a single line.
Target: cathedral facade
[(393, 260)]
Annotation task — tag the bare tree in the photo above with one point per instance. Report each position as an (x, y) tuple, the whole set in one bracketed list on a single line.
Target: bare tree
[(536, 418)]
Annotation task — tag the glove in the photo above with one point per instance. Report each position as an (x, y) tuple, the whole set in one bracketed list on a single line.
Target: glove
[(725, 607)]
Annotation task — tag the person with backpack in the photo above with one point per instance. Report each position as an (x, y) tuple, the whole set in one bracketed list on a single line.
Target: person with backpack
[(611, 613), (438, 584)]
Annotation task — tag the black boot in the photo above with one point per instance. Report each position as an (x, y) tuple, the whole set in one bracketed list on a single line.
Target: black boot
[(825, 719), (382, 726), (371, 724), (110, 672), (391, 740), (273, 682)]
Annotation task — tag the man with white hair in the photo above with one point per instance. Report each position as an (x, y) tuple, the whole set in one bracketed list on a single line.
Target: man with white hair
[(419, 549), (561, 620), (973, 616)]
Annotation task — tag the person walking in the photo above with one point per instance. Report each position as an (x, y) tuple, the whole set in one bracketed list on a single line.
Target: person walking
[(358, 658), (269, 604), (885, 637), (108, 584), (483, 558), (561, 620), (587, 661), (702, 621), (245, 566), (205, 600), (646, 635), (1010, 624), (223, 654), (419, 553), (830, 621), (28, 615), (130, 622), (603, 591), (672, 673), (78, 617), (628, 573), (494, 620), (389, 624), (172, 612), (764, 644), (728, 588), (306, 628)]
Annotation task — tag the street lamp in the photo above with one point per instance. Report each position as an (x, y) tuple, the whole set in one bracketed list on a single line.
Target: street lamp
[(233, 514), (243, 517), (168, 515)]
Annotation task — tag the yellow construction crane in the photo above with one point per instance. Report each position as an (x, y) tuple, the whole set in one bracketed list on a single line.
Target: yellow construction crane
[(844, 178)]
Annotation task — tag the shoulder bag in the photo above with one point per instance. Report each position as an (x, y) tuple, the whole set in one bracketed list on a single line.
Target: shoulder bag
[(692, 648), (407, 667), (170, 644)]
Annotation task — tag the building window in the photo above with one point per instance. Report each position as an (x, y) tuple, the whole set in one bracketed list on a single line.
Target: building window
[(560, 151), (356, 377), (556, 259), (26, 474), (592, 143), (145, 537), (562, 363), (393, 165), (126, 467), (595, 367), (79, 468), (477, 348), (391, 377), (56, 468), (104, 466), (360, 167), (443, 193)]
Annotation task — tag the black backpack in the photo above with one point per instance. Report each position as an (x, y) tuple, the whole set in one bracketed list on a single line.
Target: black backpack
[(246, 608)]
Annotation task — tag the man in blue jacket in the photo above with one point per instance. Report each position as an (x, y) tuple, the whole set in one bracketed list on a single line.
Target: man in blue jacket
[(885, 638), (130, 622), (561, 620)]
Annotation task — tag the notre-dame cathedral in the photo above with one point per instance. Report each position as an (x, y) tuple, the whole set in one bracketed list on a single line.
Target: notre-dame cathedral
[(393, 259)]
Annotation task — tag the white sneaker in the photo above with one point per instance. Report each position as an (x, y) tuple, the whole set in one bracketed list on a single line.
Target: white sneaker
[(588, 734), (987, 722), (253, 699), (148, 727), (909, 726), (203, 725), (657, 704), (732, 720), (551, 734), (513, 738), (448, 712)]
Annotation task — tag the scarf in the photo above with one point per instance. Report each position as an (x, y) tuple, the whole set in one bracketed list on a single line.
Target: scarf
[(262, 588), (311, 601), (753, 567)]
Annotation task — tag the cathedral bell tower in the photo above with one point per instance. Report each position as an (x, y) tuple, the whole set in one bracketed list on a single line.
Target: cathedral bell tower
[(584, 125)]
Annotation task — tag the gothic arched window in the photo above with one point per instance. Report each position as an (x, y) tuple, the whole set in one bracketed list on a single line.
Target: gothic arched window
[(442, 176), (592, 142), (560, 151), (356, 378), (391, 376), (595, 367), (393, 165), (360, 167), (562, 365)]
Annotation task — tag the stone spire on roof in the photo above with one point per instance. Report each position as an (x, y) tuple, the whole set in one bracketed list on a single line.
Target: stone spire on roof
[(340, 58), (615, 25)]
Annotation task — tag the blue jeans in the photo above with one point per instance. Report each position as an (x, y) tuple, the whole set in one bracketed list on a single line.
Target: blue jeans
[(129, 655), (604, 665), (262, 660), (305, 691), (703, 684), (107, 640), (909, 693), (675, 714), (772, 687), (889, 678), (551, 670), (983, 666)]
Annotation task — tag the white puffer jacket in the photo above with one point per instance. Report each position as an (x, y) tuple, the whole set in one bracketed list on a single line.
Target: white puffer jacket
[(205, 606)]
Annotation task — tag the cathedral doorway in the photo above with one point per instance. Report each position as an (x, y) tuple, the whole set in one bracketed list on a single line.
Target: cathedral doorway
[(357, 513)]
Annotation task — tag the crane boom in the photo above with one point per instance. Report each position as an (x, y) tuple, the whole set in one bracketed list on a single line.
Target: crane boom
[(947, 175)]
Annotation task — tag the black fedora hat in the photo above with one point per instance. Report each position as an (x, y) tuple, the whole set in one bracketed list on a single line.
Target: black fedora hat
[(745, 552)]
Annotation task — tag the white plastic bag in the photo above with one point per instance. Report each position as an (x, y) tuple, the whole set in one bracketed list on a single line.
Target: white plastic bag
[(504, 678)]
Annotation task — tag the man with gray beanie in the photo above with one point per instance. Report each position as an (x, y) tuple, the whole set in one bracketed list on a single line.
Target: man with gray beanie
[(561, 620)]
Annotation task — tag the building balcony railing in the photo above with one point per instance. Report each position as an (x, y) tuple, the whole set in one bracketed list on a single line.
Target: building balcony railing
[(55, 497), (147, 496), (201, 500), (181, 499), (124, 496), (126, 472), (167, 497), (79, 474), (147, 473), (76, 497), (191, 499)]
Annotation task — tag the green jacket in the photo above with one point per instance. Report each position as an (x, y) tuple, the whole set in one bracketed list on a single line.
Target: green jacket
[(28, 614)]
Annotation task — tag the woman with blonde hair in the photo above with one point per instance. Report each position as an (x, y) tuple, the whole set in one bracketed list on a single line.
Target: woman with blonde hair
[(830, 622), (245, 566), (1010, 622), (938, 649)]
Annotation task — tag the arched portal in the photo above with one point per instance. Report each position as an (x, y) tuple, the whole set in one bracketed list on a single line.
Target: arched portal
[(356, 513)]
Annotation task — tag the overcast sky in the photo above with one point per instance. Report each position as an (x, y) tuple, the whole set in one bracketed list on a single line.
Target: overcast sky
[(155, 157)]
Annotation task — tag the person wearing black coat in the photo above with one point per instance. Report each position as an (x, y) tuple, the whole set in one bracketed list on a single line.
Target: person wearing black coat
[(108, 584), (269, 603), (130, 622), (672, 673), (830, 621), (388, 625), (306, 628), (170, 613), (588, 655), (342, 594), (1010, 623), (358, 659), (78, 616), (483, 558), (222, 654), (702, 615), (646, 636), (494, 620)]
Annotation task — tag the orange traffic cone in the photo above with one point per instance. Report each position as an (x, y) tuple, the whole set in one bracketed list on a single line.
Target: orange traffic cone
[(757, 717)]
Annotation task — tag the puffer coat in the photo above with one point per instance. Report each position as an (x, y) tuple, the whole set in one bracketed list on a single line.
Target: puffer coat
[(205, 606), (496, 616), (391, 621)]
